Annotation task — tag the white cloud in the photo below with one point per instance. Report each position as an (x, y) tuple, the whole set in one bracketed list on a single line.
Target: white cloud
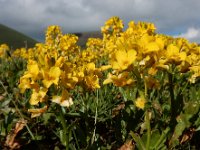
[(192, 34)]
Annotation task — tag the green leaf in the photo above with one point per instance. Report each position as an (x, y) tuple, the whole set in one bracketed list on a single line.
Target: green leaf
[(46, 117), (139, 143), (180, 127), (62, 137), (191, 107), (162, 138), (155, 136)]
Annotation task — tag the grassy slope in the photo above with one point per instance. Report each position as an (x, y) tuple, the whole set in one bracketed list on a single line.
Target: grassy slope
[(14, 38)]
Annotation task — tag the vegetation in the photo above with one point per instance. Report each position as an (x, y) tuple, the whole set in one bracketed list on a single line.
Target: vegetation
[(14, 38), (130, 89)]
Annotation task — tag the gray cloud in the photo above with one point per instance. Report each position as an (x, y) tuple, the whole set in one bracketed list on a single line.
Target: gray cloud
[(33, 16)]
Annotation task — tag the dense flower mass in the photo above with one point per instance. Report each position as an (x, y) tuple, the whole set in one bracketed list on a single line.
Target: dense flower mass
[(129, 55)]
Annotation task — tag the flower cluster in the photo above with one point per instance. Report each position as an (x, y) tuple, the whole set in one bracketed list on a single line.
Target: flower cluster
[(59, 63), (132, 56), (138, 54), (3, 50)]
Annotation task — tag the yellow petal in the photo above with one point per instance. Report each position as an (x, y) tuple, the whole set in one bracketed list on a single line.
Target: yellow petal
[(152, 47), (33, 68), (56, 99), (37, 112), (172, 50), (38, 96), (55, 72), (183, 55), (34, 98), (67, 103), (120, 56), (59, 62), (91, 66), (131, 55), (160, 43), (51, 77)]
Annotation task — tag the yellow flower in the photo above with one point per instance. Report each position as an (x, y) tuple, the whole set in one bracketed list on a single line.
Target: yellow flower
[(51, 76), (32, 69), (119, 80), (3, 49), (53, 34), (65, 100), (123, 59), (196, 73), (37, 112), (68, 80), (90, 67), (173, 54), (92, 82), (25, 83), (152, 47), (140, 102), (106, 67), (114, 24), (160, 41), (38, 96), (152, 71), (59, 62), (28, 80)]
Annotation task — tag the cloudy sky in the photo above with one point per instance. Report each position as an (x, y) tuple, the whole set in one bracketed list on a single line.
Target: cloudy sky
[(31, 17)]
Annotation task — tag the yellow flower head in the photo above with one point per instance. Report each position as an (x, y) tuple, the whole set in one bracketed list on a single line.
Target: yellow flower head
[(25, 83), (113, 25), (120, 80), (38, 96), (51, 77), (35, 112), (3, 49), (123, 59), (92, 82), (140, 102), (33, 69), (174, 54), (53, 34), (65, 100), (152, 47)]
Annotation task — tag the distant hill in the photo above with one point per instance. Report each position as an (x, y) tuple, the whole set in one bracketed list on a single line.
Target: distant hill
[(15, 39), (83, 36)]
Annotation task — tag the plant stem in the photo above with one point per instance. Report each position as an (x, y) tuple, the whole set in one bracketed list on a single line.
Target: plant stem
[(145, 88), (148, 130), (171, 88), (76, 139), (95, 121), (171, 91), (65, 129)]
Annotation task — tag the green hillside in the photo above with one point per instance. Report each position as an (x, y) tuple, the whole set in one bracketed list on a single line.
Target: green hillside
[(15, 39)]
